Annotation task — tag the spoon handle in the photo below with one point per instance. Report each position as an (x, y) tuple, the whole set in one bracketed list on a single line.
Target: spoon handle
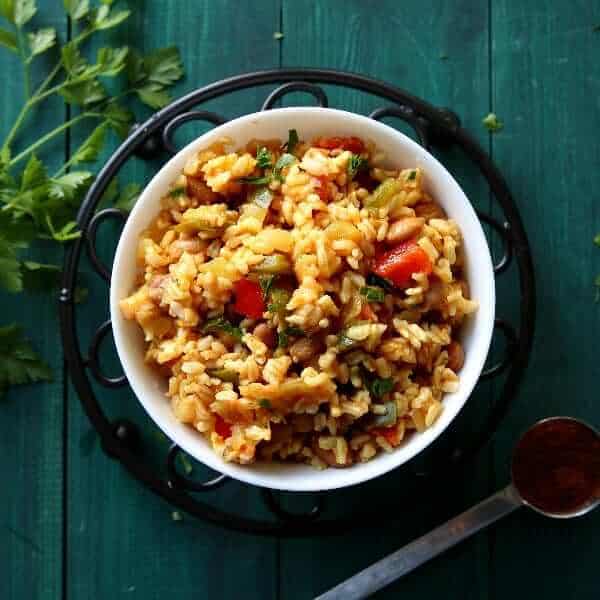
[(390, 568)]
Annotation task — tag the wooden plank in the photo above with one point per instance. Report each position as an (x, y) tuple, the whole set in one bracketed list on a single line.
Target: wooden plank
[(546, 89), (121, 538), (31, 424), (439, 53)]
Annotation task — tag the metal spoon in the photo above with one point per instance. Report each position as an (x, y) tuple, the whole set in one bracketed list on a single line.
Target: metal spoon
[(485, 513)]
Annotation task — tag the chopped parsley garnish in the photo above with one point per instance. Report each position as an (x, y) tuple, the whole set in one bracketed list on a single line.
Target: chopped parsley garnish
[(222, 324), (411, 176), (377, 386), (356, 164), (377, 281), (492, 123), (372, 293), (177, 191), (258, 180), (266, 404), (279, 299), (266, 283), (285, 160), (283, 337), (264, 159), (292, 142)]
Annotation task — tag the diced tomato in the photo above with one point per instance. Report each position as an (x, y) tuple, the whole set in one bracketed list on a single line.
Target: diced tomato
[(352, 144), (391, 434), (323, 188), (401, 262), (367, 313), (222, 427), (249, 299)]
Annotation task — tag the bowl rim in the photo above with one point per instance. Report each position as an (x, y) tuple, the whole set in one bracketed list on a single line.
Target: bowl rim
[(242, 472)]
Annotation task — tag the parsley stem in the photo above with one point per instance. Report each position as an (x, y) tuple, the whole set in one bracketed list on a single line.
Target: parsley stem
[(48, 79), (50, 135)]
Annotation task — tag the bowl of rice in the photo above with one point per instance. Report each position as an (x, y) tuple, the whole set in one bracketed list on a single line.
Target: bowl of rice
[(302, 299)]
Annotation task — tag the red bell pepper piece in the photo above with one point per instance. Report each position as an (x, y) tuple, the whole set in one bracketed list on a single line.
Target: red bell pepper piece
[(322, 189), (390, 434), (222, 427), (367, 313), (249, 299), (352, 144), (399, 264)]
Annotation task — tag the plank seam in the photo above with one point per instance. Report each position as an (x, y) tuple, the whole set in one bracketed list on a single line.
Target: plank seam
[(65, 412)]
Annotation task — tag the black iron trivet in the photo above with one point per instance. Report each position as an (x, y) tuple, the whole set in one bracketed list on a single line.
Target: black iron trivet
[(121, 439)]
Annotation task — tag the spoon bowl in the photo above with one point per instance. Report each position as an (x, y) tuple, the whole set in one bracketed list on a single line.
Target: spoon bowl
[(555, 471), (556, 467)]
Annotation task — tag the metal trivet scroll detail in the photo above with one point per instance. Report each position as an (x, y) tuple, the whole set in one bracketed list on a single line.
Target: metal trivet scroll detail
[(121, 439)]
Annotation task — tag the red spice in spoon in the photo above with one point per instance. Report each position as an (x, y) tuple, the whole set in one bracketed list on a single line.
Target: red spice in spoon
[(556, 466)]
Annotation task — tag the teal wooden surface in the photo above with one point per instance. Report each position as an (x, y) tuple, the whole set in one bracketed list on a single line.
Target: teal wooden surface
[(31, 418), (536, 65)]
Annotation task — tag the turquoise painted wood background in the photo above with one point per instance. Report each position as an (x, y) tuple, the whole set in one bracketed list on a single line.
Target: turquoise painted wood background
[(74, 525)]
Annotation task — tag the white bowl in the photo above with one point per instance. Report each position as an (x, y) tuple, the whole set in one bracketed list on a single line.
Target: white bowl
[(402, 152)]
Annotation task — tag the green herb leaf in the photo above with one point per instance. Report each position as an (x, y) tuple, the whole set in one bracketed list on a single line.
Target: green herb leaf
[(283, 336), (292, 142), (378, 387), (375, 280), (372, 293), (264, 159), (222, 324), (19, 364), (356, 164), (34, 174), (11, 278), (71, 186), (7, 10), (265, 403), (119, 118), (103, 18), (164, 66), (83, 93), (412, 175), (9, 40), (597, 239), (66, 233), (266, 283), (24, 11), (110, 61), (177, 191), (90, 149), (492, 123), (77, 9), (41, 40), (285, 160), (279, 300), (128, 197), (259, 180)]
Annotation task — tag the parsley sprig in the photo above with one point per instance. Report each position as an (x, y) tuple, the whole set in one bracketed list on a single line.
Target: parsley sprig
[(36, 203)]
